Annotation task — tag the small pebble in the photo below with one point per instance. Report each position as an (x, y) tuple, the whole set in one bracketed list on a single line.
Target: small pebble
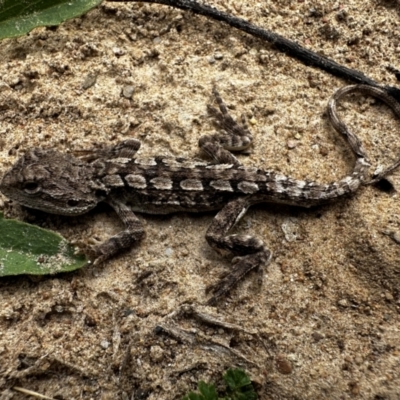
[(105, 344), (89, 81), (57, 334), (127, 91), (118, 51), (343, 303), (290, 229), (283, 365), (317, 336), (323, 150), (156, 353), (358, 360), (389, 296)]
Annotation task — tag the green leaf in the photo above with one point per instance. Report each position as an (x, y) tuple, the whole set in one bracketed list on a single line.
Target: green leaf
[(18, 17), (208, 391), (239, 385), (236, 378), (28, 249), (245, 394)]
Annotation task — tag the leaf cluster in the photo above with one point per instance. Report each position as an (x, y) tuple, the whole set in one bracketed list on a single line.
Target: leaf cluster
[(238, 387)]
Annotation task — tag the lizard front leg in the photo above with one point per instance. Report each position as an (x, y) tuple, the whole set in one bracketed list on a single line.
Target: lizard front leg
[(134, 230), (126, 148), (250, 252), (125, 239), (236, 137)]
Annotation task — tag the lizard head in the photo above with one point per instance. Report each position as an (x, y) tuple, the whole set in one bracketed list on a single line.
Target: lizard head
[(53, 182)]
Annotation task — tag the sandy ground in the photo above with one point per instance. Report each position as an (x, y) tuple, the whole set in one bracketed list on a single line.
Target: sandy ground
[(325, 322)]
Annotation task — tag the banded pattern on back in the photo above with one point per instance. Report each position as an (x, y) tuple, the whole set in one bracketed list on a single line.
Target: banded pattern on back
[(198, 177)]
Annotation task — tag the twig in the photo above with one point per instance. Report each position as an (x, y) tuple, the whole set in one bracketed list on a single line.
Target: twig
[(195, 338), (32, 393)]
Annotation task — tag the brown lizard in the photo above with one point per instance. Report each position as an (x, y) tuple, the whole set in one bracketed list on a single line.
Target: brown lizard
[(58, 183)]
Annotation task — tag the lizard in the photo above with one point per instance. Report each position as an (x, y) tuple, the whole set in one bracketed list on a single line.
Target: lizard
[(64, 184)]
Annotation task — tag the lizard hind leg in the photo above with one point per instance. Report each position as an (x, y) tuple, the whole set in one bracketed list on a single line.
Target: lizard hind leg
[(250, 252), (235, 137), (123, 240)]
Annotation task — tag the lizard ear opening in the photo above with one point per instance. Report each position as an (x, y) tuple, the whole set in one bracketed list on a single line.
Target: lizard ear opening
[(31, 187)]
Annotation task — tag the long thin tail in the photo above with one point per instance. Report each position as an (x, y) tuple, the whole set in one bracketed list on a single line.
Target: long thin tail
[(362, 164)]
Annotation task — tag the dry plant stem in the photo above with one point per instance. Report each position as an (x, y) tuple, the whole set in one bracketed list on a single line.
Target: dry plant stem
[(32, 393), (196, 338)]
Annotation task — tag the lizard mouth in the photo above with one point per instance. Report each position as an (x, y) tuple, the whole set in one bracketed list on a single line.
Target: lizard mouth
[(71, 207)]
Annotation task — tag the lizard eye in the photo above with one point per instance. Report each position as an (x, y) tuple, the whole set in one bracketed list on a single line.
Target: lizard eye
[(31, 187)]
